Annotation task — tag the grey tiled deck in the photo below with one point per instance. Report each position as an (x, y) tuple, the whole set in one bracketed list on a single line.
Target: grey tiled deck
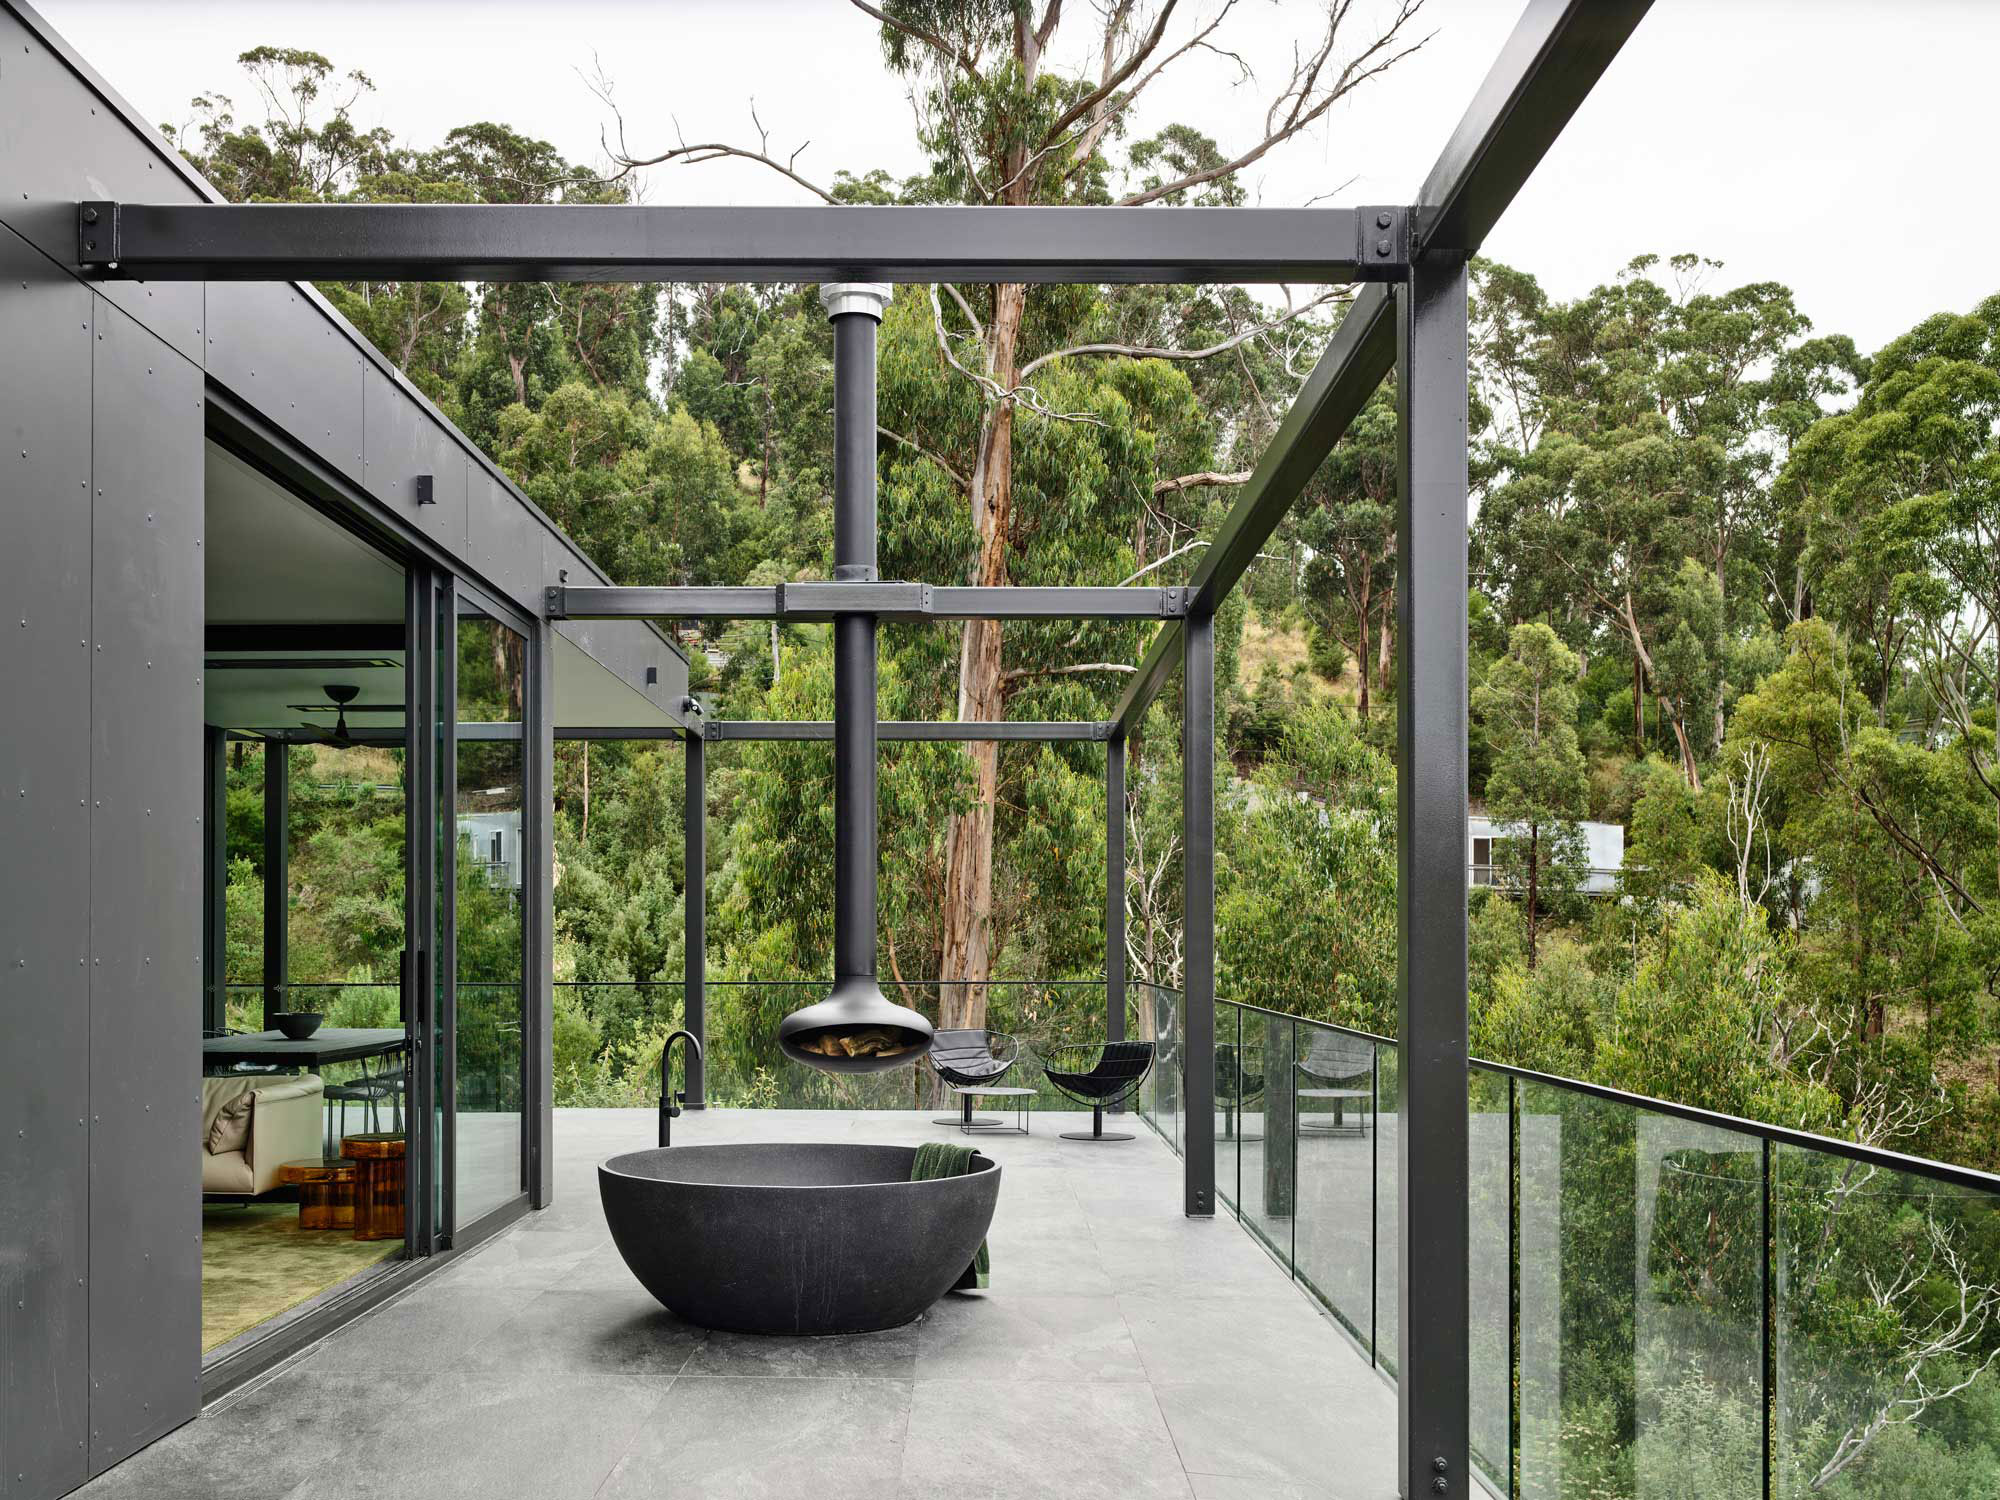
[(1123, 1352)]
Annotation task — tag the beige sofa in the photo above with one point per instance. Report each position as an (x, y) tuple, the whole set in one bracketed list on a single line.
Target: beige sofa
[(287, 1118)]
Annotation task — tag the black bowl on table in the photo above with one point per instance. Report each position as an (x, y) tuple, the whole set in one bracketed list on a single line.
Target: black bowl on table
[(297, 1025)]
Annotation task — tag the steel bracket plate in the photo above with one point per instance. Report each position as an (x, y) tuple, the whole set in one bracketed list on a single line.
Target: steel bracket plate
[(97, 233), (1382, 242)]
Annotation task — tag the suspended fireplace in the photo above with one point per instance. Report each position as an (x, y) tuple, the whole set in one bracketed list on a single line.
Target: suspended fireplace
[(856, 1029)]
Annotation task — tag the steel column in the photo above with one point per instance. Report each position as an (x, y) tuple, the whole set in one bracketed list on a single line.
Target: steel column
[(1114, 889), (1198, 913), (277, 881), (538, 856), (1431, 723), (694, 885)]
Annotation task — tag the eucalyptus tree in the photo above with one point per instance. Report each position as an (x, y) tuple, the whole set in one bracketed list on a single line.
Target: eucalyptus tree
[(1537, 788), (1641, 426), (1001, 123)]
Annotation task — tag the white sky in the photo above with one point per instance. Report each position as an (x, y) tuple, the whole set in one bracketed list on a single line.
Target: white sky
[(1839, 146)]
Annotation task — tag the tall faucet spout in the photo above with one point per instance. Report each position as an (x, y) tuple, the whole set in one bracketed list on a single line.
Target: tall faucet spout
[(670, 1099)]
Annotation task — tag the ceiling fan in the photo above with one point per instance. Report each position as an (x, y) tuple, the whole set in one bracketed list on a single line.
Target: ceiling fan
[(342, 695)]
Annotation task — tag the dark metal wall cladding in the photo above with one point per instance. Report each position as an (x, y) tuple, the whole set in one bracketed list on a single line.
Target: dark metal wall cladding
[(401, 441), (626, 647), (274, 349), (59, 144), (504, 539), (144, 1272), (45, 889)]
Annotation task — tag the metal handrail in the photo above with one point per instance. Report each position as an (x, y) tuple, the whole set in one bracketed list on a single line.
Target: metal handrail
[(1783, 1135)]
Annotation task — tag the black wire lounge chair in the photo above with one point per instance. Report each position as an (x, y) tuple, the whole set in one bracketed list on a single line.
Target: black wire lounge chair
[(1097, 1076), (1236, 1088), (1339, 1070), (970, 1060)]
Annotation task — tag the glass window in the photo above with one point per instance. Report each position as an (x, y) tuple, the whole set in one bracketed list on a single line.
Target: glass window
[(489, 801)]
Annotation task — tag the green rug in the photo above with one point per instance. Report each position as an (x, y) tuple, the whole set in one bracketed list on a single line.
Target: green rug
[(257, 1263)]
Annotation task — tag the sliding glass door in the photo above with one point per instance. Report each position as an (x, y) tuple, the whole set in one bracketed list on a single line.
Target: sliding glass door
[(485, 847)]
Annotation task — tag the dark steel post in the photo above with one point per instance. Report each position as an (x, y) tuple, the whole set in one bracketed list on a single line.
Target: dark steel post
[(1114, 889), (277, 881), (855, 308), (1434, 1358), (694, 879), (215, 882), (538, 854), (1198, 913)]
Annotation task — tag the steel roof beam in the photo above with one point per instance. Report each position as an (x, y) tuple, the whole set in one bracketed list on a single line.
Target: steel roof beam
[(1555, 54), (906, 729), (814, 600), (637, 242)]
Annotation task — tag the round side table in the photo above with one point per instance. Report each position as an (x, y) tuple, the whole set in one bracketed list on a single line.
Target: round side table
[(326, 1190), (378, 1184)]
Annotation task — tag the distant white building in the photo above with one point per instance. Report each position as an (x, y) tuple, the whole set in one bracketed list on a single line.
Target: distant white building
[(1606, 842), (495, 842)]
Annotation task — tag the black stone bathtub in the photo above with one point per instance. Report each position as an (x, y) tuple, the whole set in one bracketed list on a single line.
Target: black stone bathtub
[(809, 1238)]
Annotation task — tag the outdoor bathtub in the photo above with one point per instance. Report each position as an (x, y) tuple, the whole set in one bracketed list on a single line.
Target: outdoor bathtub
[(804, 1238)]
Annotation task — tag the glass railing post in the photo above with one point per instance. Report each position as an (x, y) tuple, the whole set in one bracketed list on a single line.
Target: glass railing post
[(1767, 1354), (1375, 1205)]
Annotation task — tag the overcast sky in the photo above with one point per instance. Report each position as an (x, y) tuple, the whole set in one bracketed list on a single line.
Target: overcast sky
[(1841, 146)]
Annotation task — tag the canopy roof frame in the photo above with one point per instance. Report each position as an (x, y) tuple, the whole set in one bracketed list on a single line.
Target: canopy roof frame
[(1411, 260)]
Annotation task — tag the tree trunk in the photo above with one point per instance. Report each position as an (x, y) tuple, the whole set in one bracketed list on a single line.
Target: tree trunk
[(1638, 708), (1385, 641), (968, 878), (1534, 885), (1361, 655)]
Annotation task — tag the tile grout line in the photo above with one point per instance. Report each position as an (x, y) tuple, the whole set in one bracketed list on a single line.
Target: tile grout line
[(645, 1421)]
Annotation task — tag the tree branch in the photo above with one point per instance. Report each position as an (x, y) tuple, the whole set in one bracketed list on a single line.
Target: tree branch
[(956, 477), (1013, 674), (1191, 481), (1116, 76), (957, 56), (1303, 100), (1147, 351)]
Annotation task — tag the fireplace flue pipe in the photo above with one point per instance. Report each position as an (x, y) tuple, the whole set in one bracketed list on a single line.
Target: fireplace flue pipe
[(855, 1029)]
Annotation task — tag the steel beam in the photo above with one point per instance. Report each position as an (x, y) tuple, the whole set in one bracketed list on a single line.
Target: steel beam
[(694, 885), (1555, 55), (1198, 914), (1551, 61), (1114, 889), (1434, 1360), (277, 882), (827, 600), (905, 729), (1362, 351), (638, 242)]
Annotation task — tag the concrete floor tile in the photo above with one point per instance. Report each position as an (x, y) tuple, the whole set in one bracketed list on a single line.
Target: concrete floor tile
[(428, 1328), (1123, 1351), (1016, 1337), (596, 1331), (1222, 1341), (1338, 1439), (888, 1355), (735, 1439), (1074, 1439)]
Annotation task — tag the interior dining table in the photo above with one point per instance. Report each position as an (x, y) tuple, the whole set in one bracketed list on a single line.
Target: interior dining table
[(330, 1044)]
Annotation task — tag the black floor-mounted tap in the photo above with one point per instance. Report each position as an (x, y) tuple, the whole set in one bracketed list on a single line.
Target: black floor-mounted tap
[(670, 1102)]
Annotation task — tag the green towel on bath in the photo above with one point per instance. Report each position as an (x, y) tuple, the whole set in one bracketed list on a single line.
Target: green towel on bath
[(948, 1159)]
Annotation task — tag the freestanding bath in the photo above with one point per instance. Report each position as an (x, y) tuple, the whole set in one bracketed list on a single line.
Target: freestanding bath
[(805, 1238)]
